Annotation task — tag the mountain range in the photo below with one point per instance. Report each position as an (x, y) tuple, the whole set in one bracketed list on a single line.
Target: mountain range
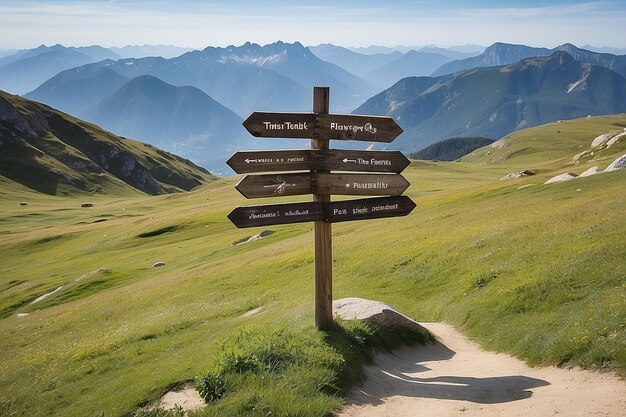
[(141, 51), (251, 77), (183, 120), (494, 101), (384, 69), (54, 153), (26, 69), (504, 54), (193, 104)]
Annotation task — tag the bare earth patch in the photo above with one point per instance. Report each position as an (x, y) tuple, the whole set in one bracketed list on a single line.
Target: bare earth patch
[(186, 398), (455, 377)]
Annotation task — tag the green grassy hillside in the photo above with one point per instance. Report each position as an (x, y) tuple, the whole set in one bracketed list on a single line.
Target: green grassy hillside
[(54, 153), (531, 269)]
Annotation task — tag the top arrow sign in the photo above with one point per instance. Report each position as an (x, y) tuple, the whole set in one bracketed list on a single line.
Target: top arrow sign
[(332, 126)]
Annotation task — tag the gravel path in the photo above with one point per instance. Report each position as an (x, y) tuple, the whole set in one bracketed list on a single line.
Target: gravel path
[(455, 377)]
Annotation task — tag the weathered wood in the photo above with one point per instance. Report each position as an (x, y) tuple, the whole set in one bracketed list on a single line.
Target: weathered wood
[(286, 184), (368, 208), (359, 184), (269, 161), (281, 125), (322, 125), (322, 230), (358, 127), (329, 212), (275, 185), (266, 215), (318, 160), (362, 161)]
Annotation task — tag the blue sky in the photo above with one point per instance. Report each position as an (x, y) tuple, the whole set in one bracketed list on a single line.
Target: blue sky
[(197, 24)]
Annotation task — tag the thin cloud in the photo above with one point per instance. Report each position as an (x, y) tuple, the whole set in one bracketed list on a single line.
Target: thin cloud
[(199, 24)]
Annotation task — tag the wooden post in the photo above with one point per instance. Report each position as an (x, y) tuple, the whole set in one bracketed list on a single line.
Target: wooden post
[(323, 232)]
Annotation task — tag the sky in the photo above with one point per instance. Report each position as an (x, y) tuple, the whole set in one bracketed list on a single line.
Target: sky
[(198, 24)]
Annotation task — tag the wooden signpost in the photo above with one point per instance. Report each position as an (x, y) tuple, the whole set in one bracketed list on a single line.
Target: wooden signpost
[(326, 172)]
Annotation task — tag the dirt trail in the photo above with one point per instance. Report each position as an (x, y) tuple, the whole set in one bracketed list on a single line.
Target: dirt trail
[(454, 377)]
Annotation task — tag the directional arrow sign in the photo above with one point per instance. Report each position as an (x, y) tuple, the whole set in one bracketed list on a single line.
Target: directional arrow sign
[(259, 161), (276, 185), (332, 126), (359, 184), (357, 127), (318, 160), (368, 208), (251, 216), (338, 211), (281, 125), (364, 161)]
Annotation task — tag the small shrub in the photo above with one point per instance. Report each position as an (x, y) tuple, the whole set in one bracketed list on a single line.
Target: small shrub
[(211, 386)]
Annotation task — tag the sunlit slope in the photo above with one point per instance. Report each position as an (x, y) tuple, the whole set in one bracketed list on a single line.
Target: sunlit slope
[(54, 153), (532, 269), (555, 146)]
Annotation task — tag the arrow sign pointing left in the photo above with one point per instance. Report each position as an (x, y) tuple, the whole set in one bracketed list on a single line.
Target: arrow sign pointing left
[(244, 162), (251, 216)]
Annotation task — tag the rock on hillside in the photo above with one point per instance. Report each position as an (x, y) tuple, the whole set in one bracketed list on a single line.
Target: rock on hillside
[(619, 163), (560, 178), (53, 153), (373, 311)]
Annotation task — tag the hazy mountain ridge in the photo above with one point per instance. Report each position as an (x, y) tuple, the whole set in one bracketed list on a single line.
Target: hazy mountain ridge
[(54, 153), (503, 54), (183, 120), (141, 51), (385, 69), (357, 63), (78, 89), (27, 69), (248, 78), (497, 100), (497, 54), (413, 63)]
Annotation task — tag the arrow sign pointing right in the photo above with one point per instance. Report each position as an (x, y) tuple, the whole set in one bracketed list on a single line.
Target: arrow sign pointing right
[(368, 208), (279, 185)]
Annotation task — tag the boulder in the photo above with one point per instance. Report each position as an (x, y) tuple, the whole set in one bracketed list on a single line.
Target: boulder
[(158, 264), (560, 178), (590, 171), (608, 139), (518, 174), (619, 163), (373, 311)]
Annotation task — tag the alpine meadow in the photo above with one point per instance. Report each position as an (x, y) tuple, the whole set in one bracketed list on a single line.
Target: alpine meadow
[(195, 224)]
